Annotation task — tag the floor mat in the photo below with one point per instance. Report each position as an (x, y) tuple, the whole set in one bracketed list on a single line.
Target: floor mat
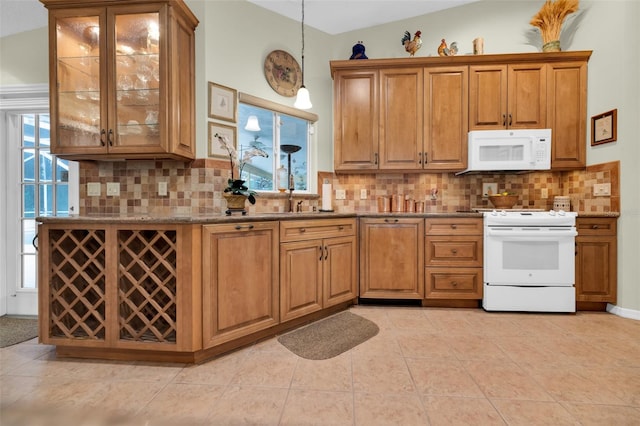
[(16, 330)]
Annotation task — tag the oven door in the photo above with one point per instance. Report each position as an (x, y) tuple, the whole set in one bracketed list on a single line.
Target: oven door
[(529, 255)]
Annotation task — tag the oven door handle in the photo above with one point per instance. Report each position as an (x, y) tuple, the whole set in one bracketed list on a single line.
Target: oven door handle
[(510, 233)]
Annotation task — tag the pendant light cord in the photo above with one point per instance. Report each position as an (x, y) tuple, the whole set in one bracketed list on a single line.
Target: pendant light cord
[(302, 43)]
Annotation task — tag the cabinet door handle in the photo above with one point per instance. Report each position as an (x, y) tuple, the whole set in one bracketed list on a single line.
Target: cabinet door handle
[(320, 249), (391, 220), (425, 158), (110, 138), (326, 252), (419, 158), (510, 119), (375, 161), (103, 133), (504, 120), (239, 227)]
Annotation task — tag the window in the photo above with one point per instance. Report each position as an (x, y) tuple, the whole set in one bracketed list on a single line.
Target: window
[(44, 187), (278, 125)]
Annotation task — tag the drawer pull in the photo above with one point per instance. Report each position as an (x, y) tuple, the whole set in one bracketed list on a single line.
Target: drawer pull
[(594, 227), (239, 227), (303, 230), (391, 220), (454, 283), (454, 251), (454, 226), (340, 228)]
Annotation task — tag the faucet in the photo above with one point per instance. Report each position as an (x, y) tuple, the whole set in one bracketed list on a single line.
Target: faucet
[(299, 206)]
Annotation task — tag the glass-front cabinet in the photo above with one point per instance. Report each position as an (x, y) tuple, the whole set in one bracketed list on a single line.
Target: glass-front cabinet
[(122, 79)]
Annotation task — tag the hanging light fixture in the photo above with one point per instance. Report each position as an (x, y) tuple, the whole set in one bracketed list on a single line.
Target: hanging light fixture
[(303, 100), (253, 125)]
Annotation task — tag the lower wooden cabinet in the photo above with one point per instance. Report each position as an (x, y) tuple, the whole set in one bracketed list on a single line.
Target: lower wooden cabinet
[(124, 286), (596, 261), (315, 272), (392, 258), (453, 258), (240, 280)]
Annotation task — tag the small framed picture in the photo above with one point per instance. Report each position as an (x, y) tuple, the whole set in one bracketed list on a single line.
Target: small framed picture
[(222, 102), (215, 150), (603, 127)]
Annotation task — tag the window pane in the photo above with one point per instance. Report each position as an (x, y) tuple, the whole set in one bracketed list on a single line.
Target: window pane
[(44, 139), (293, 131), (62, 200), (28, 233), (28, 201), (46, 200), (28, 165), (29, 271), (46, 166), (28, 130), (62, 170)]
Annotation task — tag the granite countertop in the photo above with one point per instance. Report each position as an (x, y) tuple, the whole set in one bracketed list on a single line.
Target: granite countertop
[(222, 218)]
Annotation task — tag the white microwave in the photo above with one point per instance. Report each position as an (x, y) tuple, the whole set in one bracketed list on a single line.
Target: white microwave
[(509, 150)]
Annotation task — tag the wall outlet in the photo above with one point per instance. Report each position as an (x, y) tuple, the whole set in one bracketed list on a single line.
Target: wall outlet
[(341, 194), (363, 194), (113, 189), (602, 190), (93, 189), (162, 189), (544, 193), (489, 188)]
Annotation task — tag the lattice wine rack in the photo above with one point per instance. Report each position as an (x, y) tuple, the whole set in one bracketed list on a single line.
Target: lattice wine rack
[(147, 282), (78, 284)]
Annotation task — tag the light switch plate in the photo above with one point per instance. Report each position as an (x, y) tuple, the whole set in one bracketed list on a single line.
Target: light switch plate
[(602, 190), (93, 189), (113, 189), (341, 194), (363, 194), (162, 189)]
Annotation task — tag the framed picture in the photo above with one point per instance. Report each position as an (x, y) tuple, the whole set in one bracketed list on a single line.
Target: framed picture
[(222, 102), (603, 127), (215, 150)]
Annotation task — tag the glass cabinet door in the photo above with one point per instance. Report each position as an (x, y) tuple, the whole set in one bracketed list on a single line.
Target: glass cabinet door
[(137, 79), (78, 79)]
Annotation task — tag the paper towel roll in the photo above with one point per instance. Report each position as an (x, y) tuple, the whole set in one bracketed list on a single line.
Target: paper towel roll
[(326, 197)]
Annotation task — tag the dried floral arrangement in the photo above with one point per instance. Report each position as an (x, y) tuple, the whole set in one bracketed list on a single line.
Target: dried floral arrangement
[(550, 17)]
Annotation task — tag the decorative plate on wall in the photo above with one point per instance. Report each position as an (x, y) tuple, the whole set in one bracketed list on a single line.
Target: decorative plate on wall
[(283, 73)]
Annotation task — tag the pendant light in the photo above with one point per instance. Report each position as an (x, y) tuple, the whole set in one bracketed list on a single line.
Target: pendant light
[(303, 100), (253, 125)]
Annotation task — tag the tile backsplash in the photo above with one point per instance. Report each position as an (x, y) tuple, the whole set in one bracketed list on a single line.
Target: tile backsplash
[(195, 188)]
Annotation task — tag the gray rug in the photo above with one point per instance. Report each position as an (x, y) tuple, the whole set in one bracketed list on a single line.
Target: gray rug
[(15, 330), (329, 337)]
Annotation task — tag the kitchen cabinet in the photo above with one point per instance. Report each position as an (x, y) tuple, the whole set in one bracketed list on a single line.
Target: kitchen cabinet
[(317, 265), (240, 280), (508, 96), (356, 121), (453, 258), (111, 288), (392, 258), (401, 117), (567, 114), (122, 79), (596, 262), (446, 122)]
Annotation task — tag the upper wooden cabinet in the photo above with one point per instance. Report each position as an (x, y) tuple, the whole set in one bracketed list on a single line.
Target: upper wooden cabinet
[(385, 119), (508, 96), (122, 79)]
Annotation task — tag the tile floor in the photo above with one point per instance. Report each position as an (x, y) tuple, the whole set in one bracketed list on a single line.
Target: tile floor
[(427, 366)]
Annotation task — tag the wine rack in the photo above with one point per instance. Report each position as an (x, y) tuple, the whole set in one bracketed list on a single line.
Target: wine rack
[(77, 284), (147, 284)]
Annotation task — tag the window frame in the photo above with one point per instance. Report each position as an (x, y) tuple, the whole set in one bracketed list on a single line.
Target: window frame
[(312, 178)]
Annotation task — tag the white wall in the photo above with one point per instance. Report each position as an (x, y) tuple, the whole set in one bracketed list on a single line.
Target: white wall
[(234, 37)]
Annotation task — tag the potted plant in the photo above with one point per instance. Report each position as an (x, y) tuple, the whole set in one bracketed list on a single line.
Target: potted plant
[(236, 192)]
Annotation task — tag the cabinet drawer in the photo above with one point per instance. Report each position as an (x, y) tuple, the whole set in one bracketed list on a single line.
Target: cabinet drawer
[(464, 251), (297, 230), (454, 226), (596, 225), (453, 283)]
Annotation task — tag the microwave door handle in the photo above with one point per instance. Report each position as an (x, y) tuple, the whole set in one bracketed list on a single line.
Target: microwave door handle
[(532, 156)]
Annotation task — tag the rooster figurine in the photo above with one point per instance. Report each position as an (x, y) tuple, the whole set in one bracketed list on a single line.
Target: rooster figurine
[(412, 46), (444, 50)]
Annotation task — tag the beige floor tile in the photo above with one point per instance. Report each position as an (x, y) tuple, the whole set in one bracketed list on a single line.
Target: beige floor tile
[(443, 410), (423, 345), (15, 356), (598, 415), (183, 403), (249, 406), (529, 413), (218, 371), (442, 377), (383, 344), (307, 407), (476, 348), (410, 318), (120, 396), (389, 409), (273, 369), (12, 388), (503, 379), (332, 374), (381, 374)]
